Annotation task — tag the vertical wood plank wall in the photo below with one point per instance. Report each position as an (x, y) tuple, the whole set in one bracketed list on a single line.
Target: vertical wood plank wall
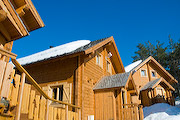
[(28, 103)]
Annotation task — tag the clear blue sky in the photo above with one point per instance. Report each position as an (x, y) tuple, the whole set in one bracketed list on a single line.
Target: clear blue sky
[(129, 21)]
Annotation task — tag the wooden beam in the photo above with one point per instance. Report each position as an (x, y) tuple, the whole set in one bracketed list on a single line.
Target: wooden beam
[(7, 53), (148, 70), (21, 9), (3, 15), (35, 13)]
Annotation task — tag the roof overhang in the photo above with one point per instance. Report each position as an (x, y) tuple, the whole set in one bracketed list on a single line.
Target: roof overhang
[(11, 26), (17, 19), (161, 82), (28, 14), (165, 82)]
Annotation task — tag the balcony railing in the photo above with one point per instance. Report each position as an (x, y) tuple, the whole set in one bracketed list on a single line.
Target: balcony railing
[(19, 100)]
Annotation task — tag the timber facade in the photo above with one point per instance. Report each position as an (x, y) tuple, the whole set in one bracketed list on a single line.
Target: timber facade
[(87, 83), (93, 78), (76, 74)]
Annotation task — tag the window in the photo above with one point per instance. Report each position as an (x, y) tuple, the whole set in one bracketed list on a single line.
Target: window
[(160, 91), (143, 73), (108, 65), (57, 92), (99, 60), (153, 73)]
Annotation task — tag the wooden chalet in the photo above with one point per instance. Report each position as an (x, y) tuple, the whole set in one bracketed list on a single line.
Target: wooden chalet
[(146, 83), (71, 76), (79, 80), (153, 83), (92, 76)]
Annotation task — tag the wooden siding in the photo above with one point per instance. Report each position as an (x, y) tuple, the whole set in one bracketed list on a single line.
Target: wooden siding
[(55, 72), (92, 73), (105, 105)]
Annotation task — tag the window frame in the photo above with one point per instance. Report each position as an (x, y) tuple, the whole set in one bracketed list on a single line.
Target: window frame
[(57, 94), (146, 75), (108, 66), (99, 57), (154, 72), (161, 89)]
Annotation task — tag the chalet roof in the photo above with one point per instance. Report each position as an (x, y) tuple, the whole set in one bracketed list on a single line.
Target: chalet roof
[(154, 83), (133, 65), (62, 50), (150, 84), (113, 81)]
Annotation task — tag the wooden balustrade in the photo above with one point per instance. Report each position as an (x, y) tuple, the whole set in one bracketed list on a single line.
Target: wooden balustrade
[(29, 101), (132, 112)]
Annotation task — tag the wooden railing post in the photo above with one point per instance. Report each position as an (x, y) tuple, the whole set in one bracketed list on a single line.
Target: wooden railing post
[(18, 112), (66, 112), (141, 113), (136, 112), (79, 114)]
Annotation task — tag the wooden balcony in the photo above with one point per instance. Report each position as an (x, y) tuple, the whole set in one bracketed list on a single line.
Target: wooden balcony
[(22, 101)]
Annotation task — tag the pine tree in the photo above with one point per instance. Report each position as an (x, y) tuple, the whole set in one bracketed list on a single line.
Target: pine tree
[(142, 53), (161, 54), (168, 57)]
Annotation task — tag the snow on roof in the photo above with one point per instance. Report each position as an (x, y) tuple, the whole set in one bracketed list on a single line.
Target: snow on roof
[(53, 52), (132, 66), (161, 111)]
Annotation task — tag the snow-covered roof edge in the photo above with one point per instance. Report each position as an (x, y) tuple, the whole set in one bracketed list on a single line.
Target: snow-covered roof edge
[(53, 52), (132, 65)]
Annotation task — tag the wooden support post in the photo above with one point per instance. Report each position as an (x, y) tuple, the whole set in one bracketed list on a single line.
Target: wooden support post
[(79, 114), (18, 112), (148, 70), (66, 112)]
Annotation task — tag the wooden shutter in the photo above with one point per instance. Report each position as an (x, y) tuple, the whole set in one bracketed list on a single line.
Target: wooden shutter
[(47, 90), (67, 92)]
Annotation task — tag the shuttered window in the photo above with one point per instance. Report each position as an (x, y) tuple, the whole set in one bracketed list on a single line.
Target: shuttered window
[(57, 92), (61, 92)]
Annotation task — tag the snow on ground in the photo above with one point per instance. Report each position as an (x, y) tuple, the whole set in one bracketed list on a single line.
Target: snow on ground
[(162, 111), (52, 52), (133, 65)]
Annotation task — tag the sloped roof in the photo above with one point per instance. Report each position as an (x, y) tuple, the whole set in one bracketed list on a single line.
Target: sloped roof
[(62, 50), (154, 83), (133, 65), (150, 84), (113, 81)]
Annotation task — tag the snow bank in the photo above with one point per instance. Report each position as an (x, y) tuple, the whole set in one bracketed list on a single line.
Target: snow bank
[(52, 52), (161, 111), (133, 65)]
